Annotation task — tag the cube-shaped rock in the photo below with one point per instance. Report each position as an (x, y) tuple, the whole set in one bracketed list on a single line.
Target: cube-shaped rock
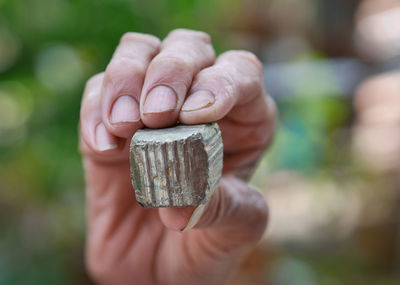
[(176, 167)]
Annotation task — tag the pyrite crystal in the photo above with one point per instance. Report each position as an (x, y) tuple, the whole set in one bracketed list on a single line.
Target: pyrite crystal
[(176, 167)]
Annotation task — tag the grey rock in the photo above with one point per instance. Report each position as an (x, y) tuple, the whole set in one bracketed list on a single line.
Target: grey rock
[(176, 167)]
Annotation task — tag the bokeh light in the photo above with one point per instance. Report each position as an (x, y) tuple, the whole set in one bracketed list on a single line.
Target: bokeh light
[(378, 29), (59, 68), (16, 107)]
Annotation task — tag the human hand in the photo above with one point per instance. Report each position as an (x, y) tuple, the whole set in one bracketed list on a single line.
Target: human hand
[(155, 84)]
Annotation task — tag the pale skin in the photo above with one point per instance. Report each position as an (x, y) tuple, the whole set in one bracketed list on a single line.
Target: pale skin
[(153, 83)]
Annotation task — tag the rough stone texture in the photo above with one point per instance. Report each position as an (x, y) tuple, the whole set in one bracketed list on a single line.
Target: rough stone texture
[(176, 167)]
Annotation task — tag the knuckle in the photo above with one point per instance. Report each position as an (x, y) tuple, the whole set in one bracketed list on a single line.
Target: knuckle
[(139, 37), (228, 88), (94, 80), (91, 91), (247, 56), (220, 79), (186, 33), (242, 54), (172, 61), (122, 69), (226, 82)]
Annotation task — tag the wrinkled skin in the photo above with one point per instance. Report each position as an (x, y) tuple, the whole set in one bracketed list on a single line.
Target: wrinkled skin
[(128, 244)]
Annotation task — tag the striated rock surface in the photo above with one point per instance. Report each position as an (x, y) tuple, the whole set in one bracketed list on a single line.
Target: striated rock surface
[(176, 167)]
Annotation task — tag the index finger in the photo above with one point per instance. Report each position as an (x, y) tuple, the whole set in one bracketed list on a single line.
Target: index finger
[(123, 81)]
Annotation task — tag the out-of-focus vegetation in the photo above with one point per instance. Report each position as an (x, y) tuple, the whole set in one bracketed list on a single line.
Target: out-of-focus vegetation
[(334, 211)]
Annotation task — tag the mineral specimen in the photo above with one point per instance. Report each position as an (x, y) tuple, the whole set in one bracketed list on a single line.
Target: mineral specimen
[(176, 167)]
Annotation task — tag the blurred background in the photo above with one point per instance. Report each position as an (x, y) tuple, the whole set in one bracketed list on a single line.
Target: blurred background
[(331, 176)]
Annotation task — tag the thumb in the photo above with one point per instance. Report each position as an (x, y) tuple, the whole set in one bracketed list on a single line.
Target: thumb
[(236, 213)]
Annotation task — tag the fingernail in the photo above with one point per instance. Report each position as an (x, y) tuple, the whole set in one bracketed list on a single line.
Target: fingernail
[(198, 100), (194, 219), (125, 110), (160, 99), (104, 141)]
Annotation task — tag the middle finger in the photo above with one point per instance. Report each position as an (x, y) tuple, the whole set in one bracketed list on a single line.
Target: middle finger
[(169, 76)]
